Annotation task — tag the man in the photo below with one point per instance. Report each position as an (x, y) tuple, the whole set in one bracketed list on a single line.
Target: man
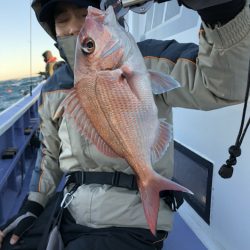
[(102, 216), (50, 61)]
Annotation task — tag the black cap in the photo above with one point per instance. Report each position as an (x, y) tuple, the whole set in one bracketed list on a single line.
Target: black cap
[(48, 7)]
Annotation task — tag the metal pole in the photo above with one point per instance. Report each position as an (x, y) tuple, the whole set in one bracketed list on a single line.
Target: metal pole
[(30, 49)]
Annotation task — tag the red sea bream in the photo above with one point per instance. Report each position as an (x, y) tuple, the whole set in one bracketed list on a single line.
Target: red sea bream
[(113, 106)]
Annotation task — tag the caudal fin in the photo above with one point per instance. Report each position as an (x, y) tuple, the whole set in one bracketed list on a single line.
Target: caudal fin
[(150, 197)]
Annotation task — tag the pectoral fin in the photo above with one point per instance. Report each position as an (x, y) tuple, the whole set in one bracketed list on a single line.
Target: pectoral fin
[(162, 83)]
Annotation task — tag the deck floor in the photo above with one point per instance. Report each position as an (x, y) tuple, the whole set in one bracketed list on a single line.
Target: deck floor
[(182, 237)]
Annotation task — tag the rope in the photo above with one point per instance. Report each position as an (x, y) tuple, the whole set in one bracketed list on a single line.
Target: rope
[(226, 171)]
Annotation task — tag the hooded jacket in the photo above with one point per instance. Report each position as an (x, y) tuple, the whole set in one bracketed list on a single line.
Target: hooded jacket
[(212, 75)]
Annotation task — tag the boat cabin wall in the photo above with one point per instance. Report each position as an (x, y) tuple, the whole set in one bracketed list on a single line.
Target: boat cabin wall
[(208, 134)]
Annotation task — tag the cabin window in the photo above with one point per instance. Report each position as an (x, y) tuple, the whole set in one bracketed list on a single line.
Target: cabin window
[(194, 172)]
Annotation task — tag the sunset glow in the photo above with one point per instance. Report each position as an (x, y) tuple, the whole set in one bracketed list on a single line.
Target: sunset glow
[(22, 41)]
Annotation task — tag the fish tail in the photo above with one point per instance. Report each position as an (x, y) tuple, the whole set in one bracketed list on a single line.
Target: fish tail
[(151, 199)]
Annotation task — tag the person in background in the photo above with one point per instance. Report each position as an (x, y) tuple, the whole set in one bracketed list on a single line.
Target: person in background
[(50, 61), (105, 216)]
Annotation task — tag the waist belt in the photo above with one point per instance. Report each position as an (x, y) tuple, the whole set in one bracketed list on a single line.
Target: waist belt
[(173, 199), (116, 179)]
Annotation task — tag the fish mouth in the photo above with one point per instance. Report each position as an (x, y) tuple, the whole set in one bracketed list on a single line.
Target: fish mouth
[(96, 14)]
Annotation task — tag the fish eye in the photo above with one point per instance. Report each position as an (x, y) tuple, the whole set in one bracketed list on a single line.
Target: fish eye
[(88, 46)]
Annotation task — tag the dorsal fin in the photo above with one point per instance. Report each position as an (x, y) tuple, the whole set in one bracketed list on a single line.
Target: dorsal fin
[(73, 109), (161, 82), (165, 135)]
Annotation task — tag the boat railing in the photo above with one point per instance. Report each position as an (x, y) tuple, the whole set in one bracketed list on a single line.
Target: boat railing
[(19, 125)]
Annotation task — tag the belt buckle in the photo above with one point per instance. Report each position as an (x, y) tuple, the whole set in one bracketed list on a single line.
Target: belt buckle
[(67, 199), (115, 179)]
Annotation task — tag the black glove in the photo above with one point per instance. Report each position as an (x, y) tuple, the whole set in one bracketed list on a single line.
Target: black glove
[(217, 14), (22, 222)]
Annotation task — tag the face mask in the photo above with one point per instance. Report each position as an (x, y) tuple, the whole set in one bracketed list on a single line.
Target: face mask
[(66, 46)]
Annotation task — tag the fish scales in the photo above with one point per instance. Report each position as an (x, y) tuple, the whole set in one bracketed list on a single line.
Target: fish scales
[(128, 126)]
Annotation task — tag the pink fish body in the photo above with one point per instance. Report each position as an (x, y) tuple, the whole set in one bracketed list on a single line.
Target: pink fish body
[(113, 105)]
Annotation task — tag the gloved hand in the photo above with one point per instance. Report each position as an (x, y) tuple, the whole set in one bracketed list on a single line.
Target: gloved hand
[(22, 222), (201, 4), (221, 13), (197, 4)]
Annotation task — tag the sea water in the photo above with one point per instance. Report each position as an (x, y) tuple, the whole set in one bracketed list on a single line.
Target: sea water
[(13, 90)]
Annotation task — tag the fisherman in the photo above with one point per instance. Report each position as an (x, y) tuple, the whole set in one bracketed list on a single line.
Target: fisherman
[(50, 61), (102, 216)]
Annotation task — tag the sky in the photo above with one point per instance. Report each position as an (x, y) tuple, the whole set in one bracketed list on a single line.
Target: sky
[(18, 45)]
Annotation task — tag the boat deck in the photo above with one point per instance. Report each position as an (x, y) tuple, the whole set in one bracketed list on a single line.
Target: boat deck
[(182, 237)]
